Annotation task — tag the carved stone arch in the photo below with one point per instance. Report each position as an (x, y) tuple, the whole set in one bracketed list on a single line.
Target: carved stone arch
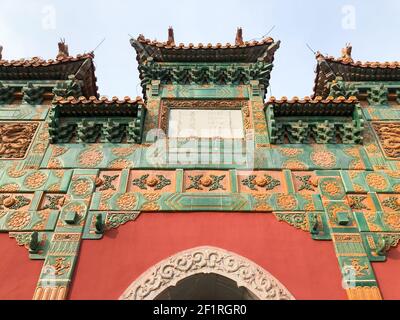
[(206, 260)]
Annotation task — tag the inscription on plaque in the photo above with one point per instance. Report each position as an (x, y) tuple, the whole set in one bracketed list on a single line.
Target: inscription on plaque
[(226, 124)]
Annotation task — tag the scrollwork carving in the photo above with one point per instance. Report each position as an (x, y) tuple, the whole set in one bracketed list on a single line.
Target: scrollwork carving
[(207, 260)]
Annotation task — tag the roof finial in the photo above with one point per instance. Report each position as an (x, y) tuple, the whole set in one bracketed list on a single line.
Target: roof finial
[(346, 53), (239, 37), (171, 38), (62, 49), (1, 50)]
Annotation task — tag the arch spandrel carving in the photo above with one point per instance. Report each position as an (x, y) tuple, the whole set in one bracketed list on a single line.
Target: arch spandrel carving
[(169, 272)]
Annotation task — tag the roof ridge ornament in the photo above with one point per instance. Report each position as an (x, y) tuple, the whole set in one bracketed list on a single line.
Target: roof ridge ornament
[(1, 51), (346, 53), (239, 37), (171, 37), (63, 51)]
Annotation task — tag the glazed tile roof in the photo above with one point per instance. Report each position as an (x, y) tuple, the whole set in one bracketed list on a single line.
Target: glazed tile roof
[(329, 67), (243, 51), (36, 68), (93, 106), (95, 101), (312, 106)]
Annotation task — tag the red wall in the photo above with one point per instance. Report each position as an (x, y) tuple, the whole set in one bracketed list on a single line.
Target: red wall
[(18, 274), (307, 268), (388, 277)]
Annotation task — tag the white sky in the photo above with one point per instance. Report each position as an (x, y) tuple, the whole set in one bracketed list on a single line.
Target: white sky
[(33, 28)]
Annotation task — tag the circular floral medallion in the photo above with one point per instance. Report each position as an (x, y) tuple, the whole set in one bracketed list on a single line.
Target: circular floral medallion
[(120, 164), (376, 181), (58, 151), (150, 206), (35, 180), (324, 159), (294, 165), (290, 152), (54, 164), (372, 148), (39, 148), (126, 201), (286, 202), (332, 188), (393, 174), (13, 172), (81, 187), (392, 220), (18, 220), (123, 152), (90, 158), (356, 165), (11, 187)]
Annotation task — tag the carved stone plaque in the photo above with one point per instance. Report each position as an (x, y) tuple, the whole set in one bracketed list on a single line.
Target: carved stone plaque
[(206, 124)]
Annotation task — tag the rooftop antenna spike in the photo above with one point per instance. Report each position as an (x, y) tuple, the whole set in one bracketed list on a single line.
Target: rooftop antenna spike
[(321, 56), (270, 30), (264, 36), (101, 42)]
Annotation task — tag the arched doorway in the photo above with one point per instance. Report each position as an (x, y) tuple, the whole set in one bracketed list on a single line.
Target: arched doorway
[(228, 272), (203, 286)]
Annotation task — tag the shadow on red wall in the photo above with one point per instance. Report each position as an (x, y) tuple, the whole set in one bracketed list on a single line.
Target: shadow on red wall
[(18, 274)]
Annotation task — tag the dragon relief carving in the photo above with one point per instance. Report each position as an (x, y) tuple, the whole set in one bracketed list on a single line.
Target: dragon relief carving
[(15, 139), (389, 136)]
